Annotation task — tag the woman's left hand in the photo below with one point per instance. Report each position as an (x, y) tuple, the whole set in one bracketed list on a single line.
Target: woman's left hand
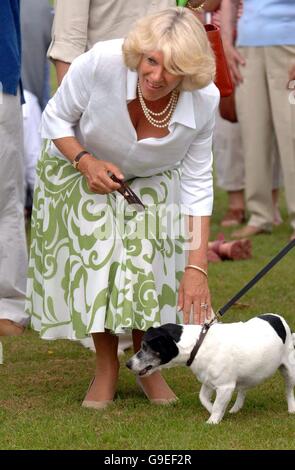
[(194, 295)]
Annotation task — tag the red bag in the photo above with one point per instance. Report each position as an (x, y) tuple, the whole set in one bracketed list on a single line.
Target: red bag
[(223, 79), (227, 108)]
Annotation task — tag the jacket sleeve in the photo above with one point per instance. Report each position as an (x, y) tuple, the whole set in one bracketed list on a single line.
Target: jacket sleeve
[(69, 30)]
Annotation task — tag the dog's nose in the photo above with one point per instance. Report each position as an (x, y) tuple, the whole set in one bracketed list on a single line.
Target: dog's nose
[(129, 364)]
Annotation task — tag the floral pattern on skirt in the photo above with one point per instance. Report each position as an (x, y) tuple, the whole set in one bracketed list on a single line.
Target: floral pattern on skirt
[(95, 262)]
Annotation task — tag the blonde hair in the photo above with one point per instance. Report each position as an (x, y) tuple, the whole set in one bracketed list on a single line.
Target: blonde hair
[(182, 39)]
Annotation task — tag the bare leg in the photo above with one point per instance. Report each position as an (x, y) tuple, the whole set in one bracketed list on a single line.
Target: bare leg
[(154, 386), (9, 328), (103, 387), (205, 397), (239, 401), (223, 396), (236, 209), (236, 199)]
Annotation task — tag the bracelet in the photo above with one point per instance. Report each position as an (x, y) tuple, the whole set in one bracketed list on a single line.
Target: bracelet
[(193, 266), (78, 157), (198, 9)]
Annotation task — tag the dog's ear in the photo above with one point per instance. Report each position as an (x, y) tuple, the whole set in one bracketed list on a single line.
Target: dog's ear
[(150, 334), (173, 330), (160, 341)]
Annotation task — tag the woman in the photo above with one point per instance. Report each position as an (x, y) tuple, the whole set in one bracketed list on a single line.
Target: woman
[(142, 109)]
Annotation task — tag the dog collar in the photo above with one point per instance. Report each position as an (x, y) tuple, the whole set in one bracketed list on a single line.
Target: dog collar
[(199, 342)]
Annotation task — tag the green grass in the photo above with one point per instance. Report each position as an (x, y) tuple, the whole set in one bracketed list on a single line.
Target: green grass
[(43, 383)]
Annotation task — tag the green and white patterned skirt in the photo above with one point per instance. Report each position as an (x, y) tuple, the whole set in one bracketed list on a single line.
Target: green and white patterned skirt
[(95, 262)]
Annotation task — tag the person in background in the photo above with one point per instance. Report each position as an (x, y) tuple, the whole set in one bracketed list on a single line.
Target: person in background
[(227, 147), (79, 25), (90, 272), (36, 24), (32, 137), (13, 251), (261, 62)]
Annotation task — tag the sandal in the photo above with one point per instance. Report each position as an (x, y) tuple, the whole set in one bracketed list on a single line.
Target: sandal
[(95, 404), (234, 250), (156, 401), (233, 217), (212, 256)]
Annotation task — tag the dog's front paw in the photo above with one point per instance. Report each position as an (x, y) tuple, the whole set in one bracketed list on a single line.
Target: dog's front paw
[(213, 420), (235, 409)]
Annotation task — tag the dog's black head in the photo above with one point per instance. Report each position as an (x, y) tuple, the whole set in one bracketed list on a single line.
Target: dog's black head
[(158, 347)]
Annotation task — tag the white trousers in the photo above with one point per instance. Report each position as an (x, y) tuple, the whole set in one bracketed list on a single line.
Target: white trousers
[(13, 251), (265, 110), (32, 137), (229, 158)]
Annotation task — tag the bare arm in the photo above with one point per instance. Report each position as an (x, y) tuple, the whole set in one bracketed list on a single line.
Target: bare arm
[(196, 186), (212, 5), (194, 290), (69, 34), (229, 15), (61, 69)]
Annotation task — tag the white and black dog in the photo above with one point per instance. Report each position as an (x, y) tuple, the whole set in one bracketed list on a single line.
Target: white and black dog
[(233, 356)]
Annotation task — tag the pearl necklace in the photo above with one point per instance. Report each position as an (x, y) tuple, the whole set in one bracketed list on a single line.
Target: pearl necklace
[(149, 113), (198, 9)]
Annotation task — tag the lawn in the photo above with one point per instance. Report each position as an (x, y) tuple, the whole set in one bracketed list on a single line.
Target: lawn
[(43, 383)]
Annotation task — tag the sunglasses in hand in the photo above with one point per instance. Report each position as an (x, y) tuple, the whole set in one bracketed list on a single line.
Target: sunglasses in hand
[(128, 194)]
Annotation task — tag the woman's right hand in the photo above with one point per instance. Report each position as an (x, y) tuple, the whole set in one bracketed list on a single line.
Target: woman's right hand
[(96, 174), (234, 60)]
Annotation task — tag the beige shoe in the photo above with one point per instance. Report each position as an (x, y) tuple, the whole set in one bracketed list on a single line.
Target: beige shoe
[(233, 217), (156, 401), (232, 250), (248, 231), (9, 328), (163, 401), (97, 405)]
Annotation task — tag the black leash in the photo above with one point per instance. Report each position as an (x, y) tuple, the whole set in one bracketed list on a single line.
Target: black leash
[(256, 278), (251, 283), (204, 331)]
